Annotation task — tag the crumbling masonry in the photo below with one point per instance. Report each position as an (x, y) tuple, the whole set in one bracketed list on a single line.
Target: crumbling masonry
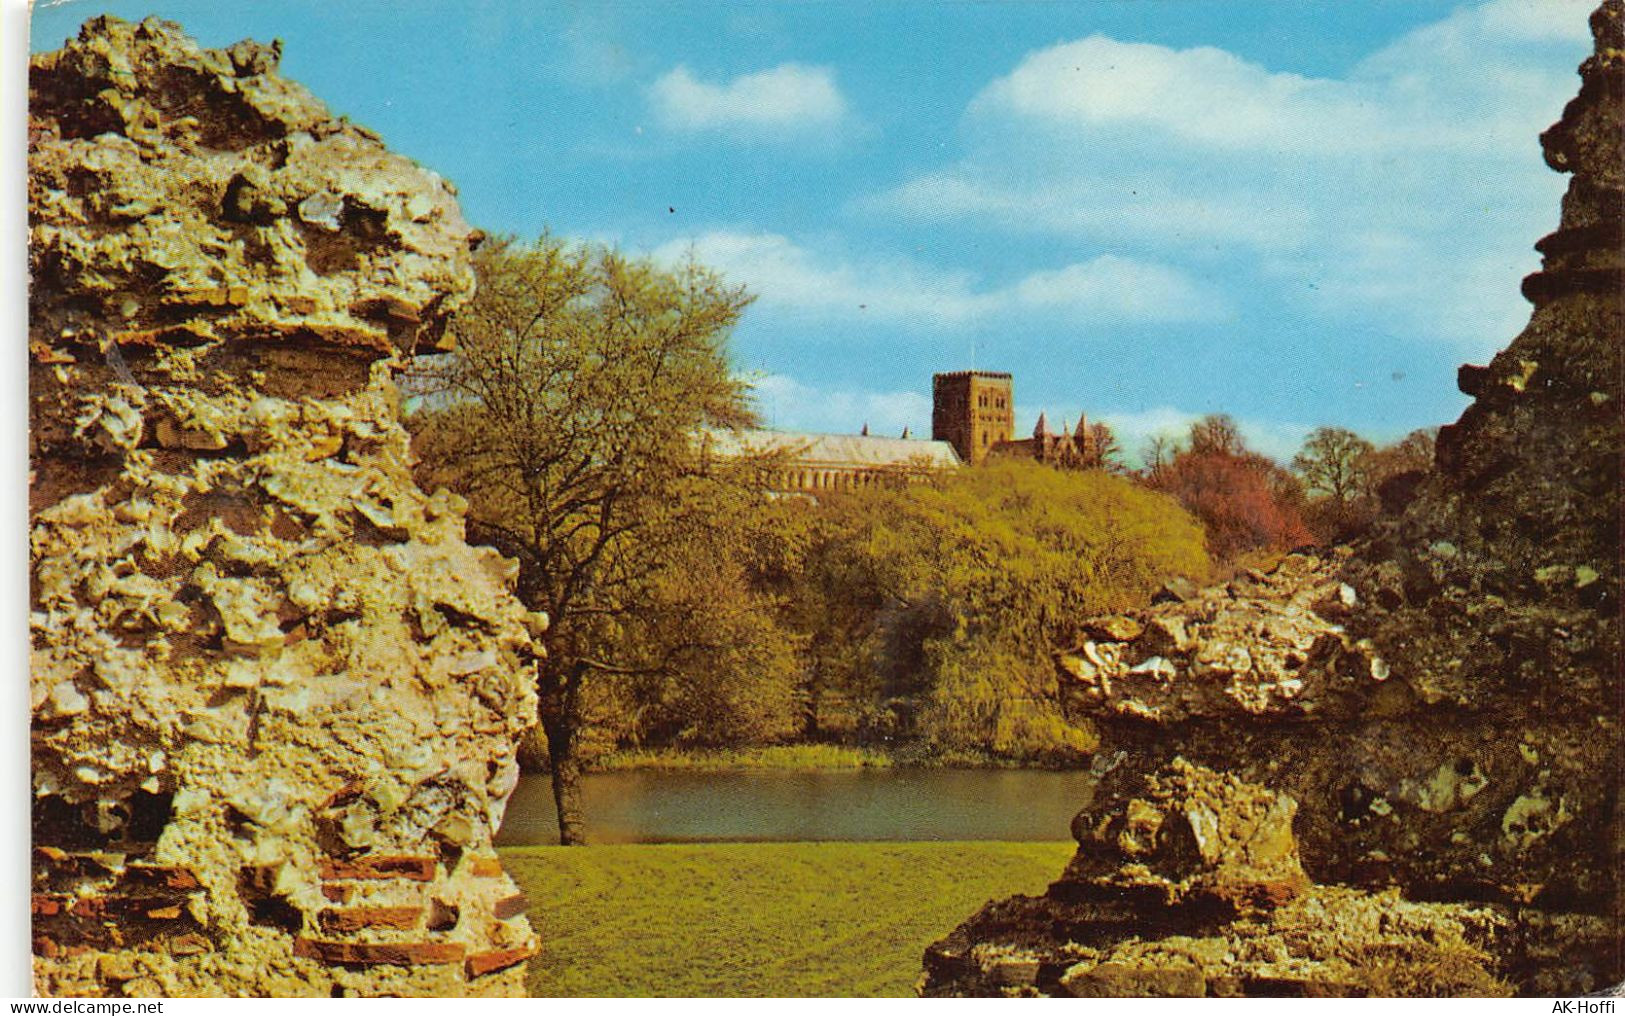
[(275, 694)]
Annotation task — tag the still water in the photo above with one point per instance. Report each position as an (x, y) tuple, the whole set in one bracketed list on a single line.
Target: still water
[(651, 806)]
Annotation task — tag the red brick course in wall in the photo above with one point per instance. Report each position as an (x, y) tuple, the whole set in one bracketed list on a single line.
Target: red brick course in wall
[(400, 954), (498, 959), (359, 918), (420, 869), (511, 906)]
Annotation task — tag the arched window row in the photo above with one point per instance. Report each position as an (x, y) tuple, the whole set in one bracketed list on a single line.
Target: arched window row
[(814, 480)]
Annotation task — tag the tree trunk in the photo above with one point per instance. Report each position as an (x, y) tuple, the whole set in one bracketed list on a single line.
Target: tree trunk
[(560, 721)]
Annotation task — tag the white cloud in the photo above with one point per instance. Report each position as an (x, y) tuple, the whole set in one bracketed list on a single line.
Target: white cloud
[(782, 274), (1280, 441), (1416, 94), (1202, 95), (1111, 288), (1088, 203), (785, 99), (1544, 20), (787, 404), (1488, 31), (1406, 192), (1134, 429)]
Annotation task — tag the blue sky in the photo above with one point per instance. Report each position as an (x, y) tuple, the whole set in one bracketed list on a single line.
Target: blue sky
[(1294, 212)]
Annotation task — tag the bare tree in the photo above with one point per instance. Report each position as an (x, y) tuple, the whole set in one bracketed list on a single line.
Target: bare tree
[(1333, 463), (1104, 451), (1216, 434), (1157, 452)]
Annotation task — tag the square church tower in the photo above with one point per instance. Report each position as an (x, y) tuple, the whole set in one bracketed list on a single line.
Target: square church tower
[(973, 410)]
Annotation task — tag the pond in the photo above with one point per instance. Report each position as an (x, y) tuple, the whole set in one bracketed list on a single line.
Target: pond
[(656, 806)]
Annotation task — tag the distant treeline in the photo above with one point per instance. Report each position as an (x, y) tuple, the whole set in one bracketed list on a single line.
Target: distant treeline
[(921, 617), (1248, 503)]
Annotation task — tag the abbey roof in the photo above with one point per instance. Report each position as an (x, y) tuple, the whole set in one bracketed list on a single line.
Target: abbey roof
[(852, 450)]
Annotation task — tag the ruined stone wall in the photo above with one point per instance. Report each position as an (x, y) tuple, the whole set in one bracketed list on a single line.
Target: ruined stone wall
[(275, 693), (1190, 882), (1442, 702)]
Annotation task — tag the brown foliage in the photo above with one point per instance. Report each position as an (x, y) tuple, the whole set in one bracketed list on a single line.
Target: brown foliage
[(1244, 501)]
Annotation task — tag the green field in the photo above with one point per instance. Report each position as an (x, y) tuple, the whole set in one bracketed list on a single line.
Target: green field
[(758, 919)]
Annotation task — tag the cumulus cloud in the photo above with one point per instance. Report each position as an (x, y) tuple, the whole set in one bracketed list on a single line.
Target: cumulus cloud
[(1133, 429), (786, 276), (788, 404), (1451, 85), (1098, 204), (1416, 94), (784, 99), (1203, 95), (1112, 288), (1278, 440), (790, 278), (1423, 150)]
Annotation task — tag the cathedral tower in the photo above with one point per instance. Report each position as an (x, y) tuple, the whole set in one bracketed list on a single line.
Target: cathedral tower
[(973, 410)]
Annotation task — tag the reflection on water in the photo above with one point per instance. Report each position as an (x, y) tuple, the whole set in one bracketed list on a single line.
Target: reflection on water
[(652, 806)]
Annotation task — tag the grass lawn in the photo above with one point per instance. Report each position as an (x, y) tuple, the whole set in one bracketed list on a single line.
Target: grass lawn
[(801, 757), (755, 919)]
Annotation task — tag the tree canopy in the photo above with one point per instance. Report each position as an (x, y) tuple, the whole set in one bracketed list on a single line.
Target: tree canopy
[(1245, 501), (932, 611), (568, 416), (1345, 476), (1333, 463)]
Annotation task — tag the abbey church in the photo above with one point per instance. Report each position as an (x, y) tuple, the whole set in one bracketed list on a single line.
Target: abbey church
[(975, 412), (973, 417)]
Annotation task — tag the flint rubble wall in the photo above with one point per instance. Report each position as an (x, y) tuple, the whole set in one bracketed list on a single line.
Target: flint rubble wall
[(275, 693)]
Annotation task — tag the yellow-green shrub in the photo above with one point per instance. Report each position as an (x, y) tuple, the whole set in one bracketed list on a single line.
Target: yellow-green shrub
[(939, 604)]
